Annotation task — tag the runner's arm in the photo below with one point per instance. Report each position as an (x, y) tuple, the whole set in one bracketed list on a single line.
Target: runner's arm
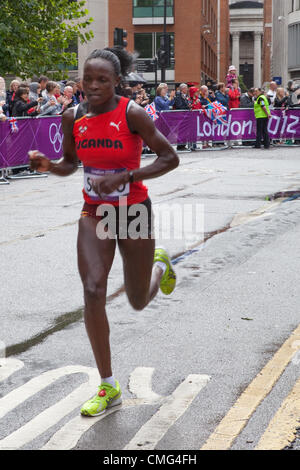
[(69, 162), (167, 159)]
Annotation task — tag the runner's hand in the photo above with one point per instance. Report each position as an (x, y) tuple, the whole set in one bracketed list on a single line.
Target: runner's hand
[(38, 161), (108, 184)]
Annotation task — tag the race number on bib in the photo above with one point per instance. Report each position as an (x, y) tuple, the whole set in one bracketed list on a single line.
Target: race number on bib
[(93, 173)]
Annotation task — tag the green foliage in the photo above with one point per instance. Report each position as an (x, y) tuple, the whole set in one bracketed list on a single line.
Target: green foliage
[(243, 87), (35, 35)]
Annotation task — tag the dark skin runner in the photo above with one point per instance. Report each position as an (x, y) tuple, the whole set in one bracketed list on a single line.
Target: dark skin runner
[(95, 256)]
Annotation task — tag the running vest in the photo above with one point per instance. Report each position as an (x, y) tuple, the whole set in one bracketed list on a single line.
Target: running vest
[(105, 145), (258, 111)]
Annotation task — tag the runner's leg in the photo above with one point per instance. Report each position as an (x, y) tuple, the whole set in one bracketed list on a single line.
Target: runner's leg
[(95, 259), (141, 278)]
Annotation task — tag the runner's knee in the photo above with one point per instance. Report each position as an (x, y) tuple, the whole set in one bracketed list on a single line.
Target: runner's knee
[(94, 292), (137, 302)]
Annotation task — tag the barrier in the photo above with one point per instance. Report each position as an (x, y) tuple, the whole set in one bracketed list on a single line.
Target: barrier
[(178, 127), (42, 133)]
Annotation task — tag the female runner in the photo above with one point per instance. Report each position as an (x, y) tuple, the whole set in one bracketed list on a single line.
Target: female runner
[(106, 136)]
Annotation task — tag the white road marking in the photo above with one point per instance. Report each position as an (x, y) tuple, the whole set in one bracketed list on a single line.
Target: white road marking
[(68, 436), (8, 367), (52, 415), (139, 384), (174, 407)]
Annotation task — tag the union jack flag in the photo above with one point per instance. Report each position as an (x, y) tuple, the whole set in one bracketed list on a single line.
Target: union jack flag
[(216, 112), (151, 111), (13, 124)]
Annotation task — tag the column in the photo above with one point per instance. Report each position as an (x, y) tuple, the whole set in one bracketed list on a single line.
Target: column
[(236, 50), (257, 59)]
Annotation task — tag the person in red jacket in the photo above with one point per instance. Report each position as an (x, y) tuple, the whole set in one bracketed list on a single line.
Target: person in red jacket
[(234, 95)]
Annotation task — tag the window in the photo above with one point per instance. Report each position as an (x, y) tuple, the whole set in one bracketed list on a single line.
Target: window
[(152, 8), (143, 44), (147, 44)]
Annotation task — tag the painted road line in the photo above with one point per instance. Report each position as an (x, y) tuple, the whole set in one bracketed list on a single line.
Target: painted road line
[(238, 416), (154, 430), (68, 436), (20, 394), (8, 367), (283, 427), (51, 415), (139, 384)]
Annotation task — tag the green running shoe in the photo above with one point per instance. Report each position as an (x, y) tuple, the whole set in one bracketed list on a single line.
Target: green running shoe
[(168, 281), (106, 397)]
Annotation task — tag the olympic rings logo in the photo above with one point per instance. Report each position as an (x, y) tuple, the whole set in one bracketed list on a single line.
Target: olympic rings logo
[(55, 137)]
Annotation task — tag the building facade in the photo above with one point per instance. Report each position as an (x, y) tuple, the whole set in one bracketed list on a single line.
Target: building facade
[(98, 10), (199, 34), (251, 40)]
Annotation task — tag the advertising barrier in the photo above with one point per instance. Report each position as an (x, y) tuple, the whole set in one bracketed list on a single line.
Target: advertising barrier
[(44, 134), (185, 126)]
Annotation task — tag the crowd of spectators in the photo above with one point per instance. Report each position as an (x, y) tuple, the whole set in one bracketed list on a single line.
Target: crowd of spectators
[(43, 97)]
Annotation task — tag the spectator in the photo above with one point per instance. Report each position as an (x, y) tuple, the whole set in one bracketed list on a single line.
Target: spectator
[(282, 99), (195, 100), (222, 95), (205, 99), (234, 95), (290, 87), (67, 101), (57, 92), (50, 105), (10, 95), (162, 101), (181, 98), (73, 84), (22, 105), (247, 99), (182, 102), (80, 96), (271, 95), (231, 75), (43, 80), (262, 115), (135, 88), (34, 91), (204, 96), (143, 97)]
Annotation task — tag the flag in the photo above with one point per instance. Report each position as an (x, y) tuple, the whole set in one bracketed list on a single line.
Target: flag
[(151, 111), (13, 124), (216, 112)]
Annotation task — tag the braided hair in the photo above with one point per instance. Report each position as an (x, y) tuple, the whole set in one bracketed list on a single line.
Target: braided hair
[(121, 60)]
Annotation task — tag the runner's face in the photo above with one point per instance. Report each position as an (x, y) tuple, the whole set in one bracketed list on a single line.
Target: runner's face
[(99, 81)]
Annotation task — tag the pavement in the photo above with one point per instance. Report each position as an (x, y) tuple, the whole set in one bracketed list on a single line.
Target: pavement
[(235, 306)]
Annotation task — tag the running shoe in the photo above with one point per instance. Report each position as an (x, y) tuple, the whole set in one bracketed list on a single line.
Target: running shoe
[(107, 397), (168, 281)]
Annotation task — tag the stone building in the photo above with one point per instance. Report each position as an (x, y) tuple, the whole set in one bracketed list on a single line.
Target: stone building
[(251, 40)]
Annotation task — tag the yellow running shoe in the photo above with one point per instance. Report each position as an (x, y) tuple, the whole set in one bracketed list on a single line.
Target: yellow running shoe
[(106, 397), (168, 281)]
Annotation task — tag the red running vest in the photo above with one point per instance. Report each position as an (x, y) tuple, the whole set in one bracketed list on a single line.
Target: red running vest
[(105, 145)]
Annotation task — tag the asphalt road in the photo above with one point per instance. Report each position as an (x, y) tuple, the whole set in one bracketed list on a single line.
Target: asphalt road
[(186, 359)]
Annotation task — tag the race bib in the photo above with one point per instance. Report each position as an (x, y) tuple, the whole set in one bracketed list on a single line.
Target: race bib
[(93, 173)]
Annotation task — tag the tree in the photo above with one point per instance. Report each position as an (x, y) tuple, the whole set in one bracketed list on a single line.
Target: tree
[(35, 35)]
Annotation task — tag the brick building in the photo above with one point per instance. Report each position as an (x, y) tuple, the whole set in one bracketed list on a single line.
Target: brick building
[(199, 31)]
